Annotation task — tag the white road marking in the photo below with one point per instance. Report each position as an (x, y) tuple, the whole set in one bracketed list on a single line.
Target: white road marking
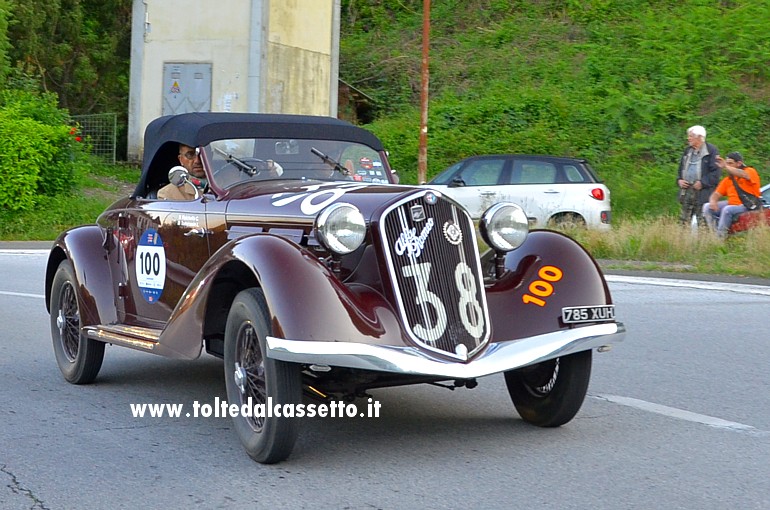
[(11, 251), (742, 288), (21, 294), (681, 414), (643, 405)]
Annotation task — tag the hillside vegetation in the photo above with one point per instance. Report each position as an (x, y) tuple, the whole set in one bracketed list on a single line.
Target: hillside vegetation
[(614, 81)]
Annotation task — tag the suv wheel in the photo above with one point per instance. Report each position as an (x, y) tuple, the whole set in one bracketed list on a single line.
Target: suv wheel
[(567, 220)]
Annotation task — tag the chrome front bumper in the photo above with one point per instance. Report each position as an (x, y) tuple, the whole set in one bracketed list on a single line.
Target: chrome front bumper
[(498, 357)]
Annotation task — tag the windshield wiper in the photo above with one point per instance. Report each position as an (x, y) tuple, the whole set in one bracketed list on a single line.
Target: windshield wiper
[(329, 161), (251, 170)]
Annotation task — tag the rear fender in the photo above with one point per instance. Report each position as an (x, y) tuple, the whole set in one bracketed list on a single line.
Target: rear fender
[(548, 272), (84, 248), (306, 300)]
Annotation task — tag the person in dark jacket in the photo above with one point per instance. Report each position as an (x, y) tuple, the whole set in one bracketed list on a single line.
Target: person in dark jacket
[(698, 175)]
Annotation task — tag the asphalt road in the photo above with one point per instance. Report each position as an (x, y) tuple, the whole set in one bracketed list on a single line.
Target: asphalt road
[(678, 417)]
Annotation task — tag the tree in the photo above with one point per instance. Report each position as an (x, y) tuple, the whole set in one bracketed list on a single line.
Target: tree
[(4, 45), (79, 49)]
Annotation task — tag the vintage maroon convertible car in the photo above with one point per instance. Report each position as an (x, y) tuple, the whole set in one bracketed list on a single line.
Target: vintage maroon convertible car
[(325, 281)]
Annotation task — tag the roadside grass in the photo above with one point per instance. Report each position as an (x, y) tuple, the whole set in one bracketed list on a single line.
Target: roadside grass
[(112, 178), (96, 186), (659, 243), (664, 244)]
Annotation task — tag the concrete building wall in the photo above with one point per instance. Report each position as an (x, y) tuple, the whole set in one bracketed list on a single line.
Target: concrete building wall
[(299, 50), (274, 56)]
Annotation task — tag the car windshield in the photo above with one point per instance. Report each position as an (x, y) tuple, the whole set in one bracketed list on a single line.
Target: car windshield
[(234, 161)]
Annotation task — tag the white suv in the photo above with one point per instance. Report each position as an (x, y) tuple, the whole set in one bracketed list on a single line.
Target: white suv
[(550, 189)]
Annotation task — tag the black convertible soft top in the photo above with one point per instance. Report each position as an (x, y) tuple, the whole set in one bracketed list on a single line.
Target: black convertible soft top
[(164, 134)]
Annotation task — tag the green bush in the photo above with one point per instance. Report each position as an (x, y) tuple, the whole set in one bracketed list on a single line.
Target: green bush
[(38, 150), (58, 174), (26, 102), (23, 151)]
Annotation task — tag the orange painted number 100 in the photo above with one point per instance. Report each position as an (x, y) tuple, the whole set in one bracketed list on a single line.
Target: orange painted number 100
[(540, 289)]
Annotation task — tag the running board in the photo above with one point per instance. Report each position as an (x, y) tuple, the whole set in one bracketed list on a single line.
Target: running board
[(135, 337)]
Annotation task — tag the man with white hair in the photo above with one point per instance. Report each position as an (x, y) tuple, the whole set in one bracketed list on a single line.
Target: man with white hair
[(698, 175)]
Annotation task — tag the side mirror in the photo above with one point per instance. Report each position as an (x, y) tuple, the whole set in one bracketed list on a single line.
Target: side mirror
[(178, 175), (396, 178)]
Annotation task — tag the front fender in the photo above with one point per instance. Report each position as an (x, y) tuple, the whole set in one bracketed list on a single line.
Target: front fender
[(306, 300), (84, 248), (549, 271)]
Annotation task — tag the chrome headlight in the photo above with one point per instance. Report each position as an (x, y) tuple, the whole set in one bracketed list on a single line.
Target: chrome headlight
[(340, 228), (504, 226)]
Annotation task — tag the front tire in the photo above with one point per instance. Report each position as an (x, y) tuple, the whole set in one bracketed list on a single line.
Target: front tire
[(550, 393), (79, 358), (252, 378)]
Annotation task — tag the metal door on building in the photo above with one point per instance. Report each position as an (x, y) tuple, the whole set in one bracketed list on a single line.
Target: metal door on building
[(186, 87)]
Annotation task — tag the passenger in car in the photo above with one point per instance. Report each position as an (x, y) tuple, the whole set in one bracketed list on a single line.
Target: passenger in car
[(190, 159), (720, 214), (698, 175)]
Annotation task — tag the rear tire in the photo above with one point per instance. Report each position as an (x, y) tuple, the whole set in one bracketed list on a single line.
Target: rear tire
[(253, 378), (550, 393), (567, 220), (79, 358)]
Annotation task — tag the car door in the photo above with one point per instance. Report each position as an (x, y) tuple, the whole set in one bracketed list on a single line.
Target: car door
[(534, 185), (476, 184), (163, 246)]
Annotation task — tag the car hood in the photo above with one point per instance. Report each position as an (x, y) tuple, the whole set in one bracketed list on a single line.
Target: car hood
[(301, 201)]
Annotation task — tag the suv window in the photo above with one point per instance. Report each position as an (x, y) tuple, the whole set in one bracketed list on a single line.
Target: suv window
[(482, 172), (533, 172), (573, 174)]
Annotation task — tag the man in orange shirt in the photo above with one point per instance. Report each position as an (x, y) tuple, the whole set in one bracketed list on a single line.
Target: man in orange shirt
[(718, 213)]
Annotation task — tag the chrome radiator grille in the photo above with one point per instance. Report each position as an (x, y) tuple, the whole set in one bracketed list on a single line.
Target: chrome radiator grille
[(433, 262)]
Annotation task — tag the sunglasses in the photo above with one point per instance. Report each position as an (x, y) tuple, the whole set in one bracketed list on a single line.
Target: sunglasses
[(189, 154)]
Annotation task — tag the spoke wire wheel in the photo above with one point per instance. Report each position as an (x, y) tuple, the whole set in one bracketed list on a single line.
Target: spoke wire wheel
[(79, 358), (251, 368), (68, 322), (549, 394), (540, 379), (253, 379)]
